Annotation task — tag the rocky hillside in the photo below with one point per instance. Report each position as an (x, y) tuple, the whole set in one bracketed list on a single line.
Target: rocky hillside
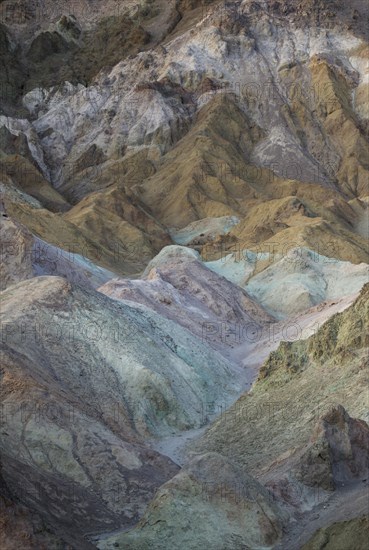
[(296, 384), (184, 209), (229, 112), (290, 430)]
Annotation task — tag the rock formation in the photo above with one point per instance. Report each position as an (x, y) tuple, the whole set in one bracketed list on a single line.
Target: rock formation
[(184, 222)]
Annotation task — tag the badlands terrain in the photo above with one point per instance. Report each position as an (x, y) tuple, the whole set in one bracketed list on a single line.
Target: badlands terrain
[(184, 274)]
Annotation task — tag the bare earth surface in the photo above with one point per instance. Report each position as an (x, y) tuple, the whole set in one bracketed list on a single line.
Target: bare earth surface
[(184, 210)]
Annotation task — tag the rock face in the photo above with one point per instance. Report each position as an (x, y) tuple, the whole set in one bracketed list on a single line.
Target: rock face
[(203, 231), (24, 256), (169, 379), (51, 260), (21, 527), (111, 230), (303, 277), (176, 284), (53, 45), (246, 112), (216, 153), (338, 452), (297, 385), (343, 335), (78, 389), (16, 246), (210, 502), (345, 535), (335, 456)]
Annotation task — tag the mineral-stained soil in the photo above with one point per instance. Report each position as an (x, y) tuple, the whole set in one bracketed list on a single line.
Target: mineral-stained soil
[(184, 222)]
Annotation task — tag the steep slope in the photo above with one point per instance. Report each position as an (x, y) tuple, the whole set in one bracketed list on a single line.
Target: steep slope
[(15, 257), (240, 512), (177, 285), (296, 383), (46, 44), (22, 172), (243, 111), (92, 231), (78, 393), (345, 535), (225, 508), (302, 277), (20, 527), (292, 434), (210, 172), (111, 229), (181, 378), (240, 130), (24, 256)]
